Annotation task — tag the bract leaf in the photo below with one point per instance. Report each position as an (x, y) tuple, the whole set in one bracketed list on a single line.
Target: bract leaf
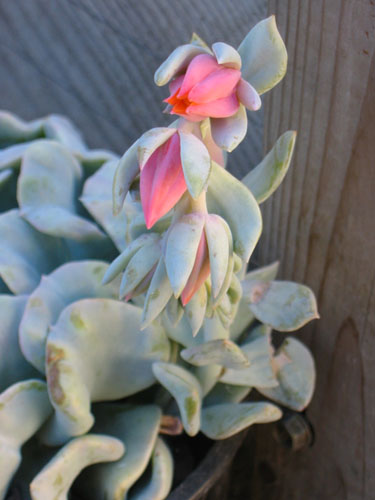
[(151, 140), (229, 198), (229, 132), (227, 55), (264, 56), (196, 163), (265, 178), (126, 171)]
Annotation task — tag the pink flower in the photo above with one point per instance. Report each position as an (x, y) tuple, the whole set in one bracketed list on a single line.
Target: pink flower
[(210, 89), (162, 181), (199, 273)]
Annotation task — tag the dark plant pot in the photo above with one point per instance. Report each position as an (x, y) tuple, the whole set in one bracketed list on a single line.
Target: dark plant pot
[(210, 471)]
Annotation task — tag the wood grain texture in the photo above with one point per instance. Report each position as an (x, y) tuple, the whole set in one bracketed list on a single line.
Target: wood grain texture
[(94, 60), (320, 224)]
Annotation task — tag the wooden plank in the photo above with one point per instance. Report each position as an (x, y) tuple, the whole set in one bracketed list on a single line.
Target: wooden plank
[(93, 60), (320, 224)]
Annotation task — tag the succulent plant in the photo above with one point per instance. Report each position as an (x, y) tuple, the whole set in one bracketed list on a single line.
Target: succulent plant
[(121, 325)]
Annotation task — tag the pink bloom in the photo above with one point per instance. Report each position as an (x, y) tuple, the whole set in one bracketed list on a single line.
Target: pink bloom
[(199, 273), (210, 89), (162, 181)]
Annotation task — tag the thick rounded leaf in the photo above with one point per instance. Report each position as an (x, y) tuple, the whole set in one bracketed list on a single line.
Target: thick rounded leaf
[(229, 198), (208, 376), (295, 372), (137, 427), (196, 309), (264, 179), (226, 393), (97, 198), (180, 332), (284, 305), (196, 163), (93, 159), (56, 478), (265, 273), (258, 351), (47, 189), (159, 484), (181, 249), (151, 140), (214, 330), (218, 247), (23, 409), (13, 129), (158, 294), (222, 352), (264, 56), (177, 61), (60, 129), (185, 389), (26, 254), (13, 366), (223, 421), (242, 320), (126, 171), (11, 157), (95, 352), (227, 55), (70, 282), (229, 132)]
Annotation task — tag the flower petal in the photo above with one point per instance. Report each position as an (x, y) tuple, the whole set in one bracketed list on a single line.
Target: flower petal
[(176, 62), (162, 181), (216, 85), (227, 55), (248, 96), (199, 68), (221, 108), (199, 273)]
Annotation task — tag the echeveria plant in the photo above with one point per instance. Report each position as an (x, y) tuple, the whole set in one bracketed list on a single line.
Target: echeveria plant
[(98, 360)]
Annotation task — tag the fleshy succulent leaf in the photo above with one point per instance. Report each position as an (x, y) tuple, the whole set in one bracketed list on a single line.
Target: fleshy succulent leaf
[(137, 427), (151, 140), (14, 129), (295, 372), (226, 393), (46, 192), (227, 55), (160, 483), (258, 351), (283, 305), (265, 178), (264, 56), (26, 254), (97, 199), (186, 390), (62, 130), (119, 366), (13, 366), (225, 420), (218, 249), (196, 163), (126, 171), (222, 352), (196, 309), (53, 294), (56, 478)]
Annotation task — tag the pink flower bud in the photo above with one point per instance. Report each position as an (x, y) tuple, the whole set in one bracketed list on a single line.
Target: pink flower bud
[(162, 181), (199, 273)]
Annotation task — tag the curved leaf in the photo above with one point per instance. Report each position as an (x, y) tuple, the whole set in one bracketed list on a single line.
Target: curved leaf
[(59, 128), (284, 305), (223, 421), (226, 393), (151, 140), (227, 55), (264, 179), (222, 352), (56, 478), (120, 364), (185, 389), (196, 163), (229, 132), (14, 129), (126, 171), (70, 282), (264, 56), (295, 372), (46, 192), (229, 198)]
